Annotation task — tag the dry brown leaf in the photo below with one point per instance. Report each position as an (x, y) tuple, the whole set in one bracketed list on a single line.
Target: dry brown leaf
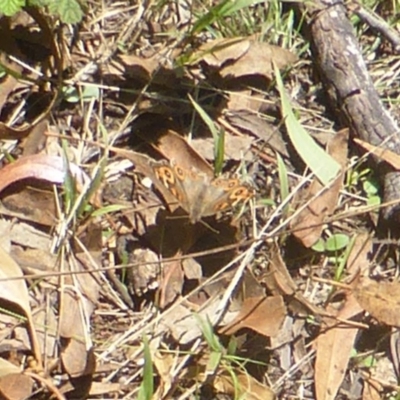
[(220, 51), (164, 364), (75, 356), (358, 261), (259, 60), (334, 346), (279, 282), (150, 69), (372, 390), (259, 128), (31, 204), (192, 269), (380, 299), (15, 386), (307, 226), (104, 388), (237, 57), (6, 368), (16, 292), (384, 154), (263, 315), (174, 147), (246, 386), (236, 147), (25, 235), (8, 84), (172, 281), (11, 47)]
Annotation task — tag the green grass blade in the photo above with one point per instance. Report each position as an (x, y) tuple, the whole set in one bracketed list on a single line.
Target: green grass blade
[(283, 179), (219, 137), (146, 389), (321, 163)]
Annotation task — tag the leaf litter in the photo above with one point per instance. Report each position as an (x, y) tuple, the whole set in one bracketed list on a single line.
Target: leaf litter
[(222, 299)]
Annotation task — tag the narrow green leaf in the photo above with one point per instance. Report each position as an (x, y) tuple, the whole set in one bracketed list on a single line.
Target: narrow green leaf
[(209, 335), (98, 174), (70, 190), (283, 179), (343, 262), (146, 389), (321, 163), (219, 138), (219, 152), (109, 209), (221, 10)]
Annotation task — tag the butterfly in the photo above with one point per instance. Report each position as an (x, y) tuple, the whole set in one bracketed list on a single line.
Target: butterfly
[(198, 194)]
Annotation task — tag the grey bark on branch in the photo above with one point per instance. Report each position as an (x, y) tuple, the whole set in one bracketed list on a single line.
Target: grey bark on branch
[(350, 89)]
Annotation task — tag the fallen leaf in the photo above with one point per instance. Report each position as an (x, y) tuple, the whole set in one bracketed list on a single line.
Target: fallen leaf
[(279, 282), (172, 281), (307, 226), (150, 69), (15, 291), (7, 368), (334, 346), (31, 204), (164, 364), (39, 166), (380, 299), (237, 57), (383, 154), (174, 147), (358, 261), (235, 147), (259, 128), (15, 386), (372, 390), (263, 315), (244, 385), (76, 354), (25, 235)]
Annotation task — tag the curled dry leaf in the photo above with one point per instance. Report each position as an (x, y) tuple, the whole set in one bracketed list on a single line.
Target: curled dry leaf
[(39, 166)]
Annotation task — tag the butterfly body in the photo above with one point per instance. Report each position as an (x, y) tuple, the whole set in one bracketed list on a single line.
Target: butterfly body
[(198, 194)]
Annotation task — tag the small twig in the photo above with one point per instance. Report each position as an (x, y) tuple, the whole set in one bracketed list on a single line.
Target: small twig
[(376, 23)]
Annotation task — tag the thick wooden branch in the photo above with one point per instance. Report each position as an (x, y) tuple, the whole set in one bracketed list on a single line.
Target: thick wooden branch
[(338, 57)]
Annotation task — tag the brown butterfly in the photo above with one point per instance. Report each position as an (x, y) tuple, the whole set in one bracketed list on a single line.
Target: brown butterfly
[(198, 194)]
